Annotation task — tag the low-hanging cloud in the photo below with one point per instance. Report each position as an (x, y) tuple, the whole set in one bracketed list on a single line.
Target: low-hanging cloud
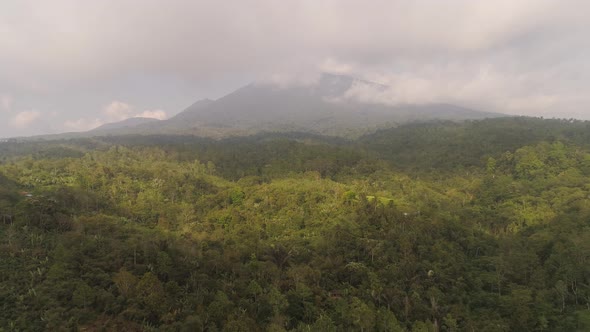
[(523, 56), (5, 102), (117, 111), (113, 112), (24, 119), (478, 86), (82, 124), (152, 114)]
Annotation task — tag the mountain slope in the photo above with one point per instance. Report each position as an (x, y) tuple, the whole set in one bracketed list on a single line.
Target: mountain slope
[(318, 108), (330, 106), (127, 123)]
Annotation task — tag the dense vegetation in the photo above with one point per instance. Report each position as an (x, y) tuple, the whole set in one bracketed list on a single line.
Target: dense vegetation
[(479, 226)]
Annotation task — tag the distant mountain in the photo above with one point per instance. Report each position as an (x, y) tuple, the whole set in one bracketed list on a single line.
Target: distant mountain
[(319, 108), (331, 106), (199, 105), (127, 123)]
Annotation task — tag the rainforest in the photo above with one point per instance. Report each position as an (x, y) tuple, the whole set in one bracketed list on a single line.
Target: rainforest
[(481, 225)]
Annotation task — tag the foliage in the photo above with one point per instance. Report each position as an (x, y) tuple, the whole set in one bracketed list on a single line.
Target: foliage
[(489, 233)]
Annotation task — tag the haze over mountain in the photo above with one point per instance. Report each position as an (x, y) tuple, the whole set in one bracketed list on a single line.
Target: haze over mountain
[(124, 124), (64, 63), (326, 106), (336, 105)]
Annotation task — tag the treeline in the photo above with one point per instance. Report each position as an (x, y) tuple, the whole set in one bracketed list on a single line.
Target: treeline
[(298, 233), (448, 145)]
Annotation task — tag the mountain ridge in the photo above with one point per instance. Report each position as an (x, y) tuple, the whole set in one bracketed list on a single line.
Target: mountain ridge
[(126, 123), (322, 107)]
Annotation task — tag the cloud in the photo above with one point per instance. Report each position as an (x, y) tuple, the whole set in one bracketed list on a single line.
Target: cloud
[(24, 119), (486, 86), (155, 114), (82, 124), (204, 38), (6, 102), (117, 111), (113, 112), (525, 56), (291, 79), (333, 66)]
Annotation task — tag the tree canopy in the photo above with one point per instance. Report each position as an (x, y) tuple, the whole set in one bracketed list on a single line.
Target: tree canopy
[(476, 226)]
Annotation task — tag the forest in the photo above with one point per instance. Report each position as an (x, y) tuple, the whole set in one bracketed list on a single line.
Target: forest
[(439, 226)]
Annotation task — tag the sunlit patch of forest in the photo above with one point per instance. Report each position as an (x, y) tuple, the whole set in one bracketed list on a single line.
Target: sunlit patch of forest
[(474, 226)]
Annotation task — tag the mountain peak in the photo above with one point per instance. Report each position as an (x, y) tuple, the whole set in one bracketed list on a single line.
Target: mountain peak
[(333, 104), (322, 106)]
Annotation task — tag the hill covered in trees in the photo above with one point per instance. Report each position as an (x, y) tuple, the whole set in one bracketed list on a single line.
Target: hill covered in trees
[(473, 226)]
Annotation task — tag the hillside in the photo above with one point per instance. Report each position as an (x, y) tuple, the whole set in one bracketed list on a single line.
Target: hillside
[(324, 107), (122, 125), (317, 108)]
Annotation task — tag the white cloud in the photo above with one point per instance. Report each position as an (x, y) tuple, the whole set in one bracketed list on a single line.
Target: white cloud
[(82, 124), (24, 119), (291, 79), (155, 114), (6, 101), (331, 65), (117, 111), (485, 86), (264, 35)]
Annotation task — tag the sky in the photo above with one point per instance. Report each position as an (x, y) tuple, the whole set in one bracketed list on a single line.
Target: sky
[(70, 65)]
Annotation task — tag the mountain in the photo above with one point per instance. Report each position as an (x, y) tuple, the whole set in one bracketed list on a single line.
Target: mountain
[(335, 105), (125, 124), (137, 125), (323, 108)]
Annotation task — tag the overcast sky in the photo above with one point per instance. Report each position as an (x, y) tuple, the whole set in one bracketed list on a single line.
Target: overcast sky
[(73, 65)]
